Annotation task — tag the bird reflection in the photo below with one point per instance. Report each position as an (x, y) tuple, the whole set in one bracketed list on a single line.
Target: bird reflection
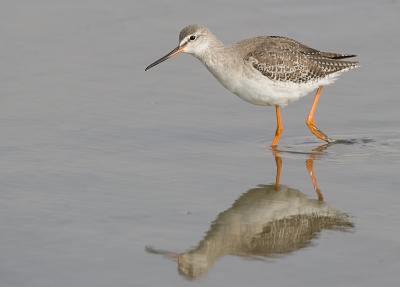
[(269, 221)]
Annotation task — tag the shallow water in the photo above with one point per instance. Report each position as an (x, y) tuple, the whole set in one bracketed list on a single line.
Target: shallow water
[(111, 176)]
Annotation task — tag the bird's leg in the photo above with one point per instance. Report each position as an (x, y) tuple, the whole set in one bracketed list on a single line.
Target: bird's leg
[(279, 129), (310, 120)]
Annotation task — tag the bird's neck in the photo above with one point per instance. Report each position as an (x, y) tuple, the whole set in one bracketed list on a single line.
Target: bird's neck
[(218, 59)]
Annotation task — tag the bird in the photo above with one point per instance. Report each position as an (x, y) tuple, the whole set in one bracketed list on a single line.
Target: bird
[(265, 70)]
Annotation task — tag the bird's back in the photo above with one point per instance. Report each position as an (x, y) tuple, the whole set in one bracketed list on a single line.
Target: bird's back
[(287, 60)]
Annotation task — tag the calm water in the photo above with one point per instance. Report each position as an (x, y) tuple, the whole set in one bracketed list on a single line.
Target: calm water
[(111, 176)]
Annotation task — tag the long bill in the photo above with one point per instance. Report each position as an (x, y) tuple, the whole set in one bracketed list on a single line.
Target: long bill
[(174, 52)]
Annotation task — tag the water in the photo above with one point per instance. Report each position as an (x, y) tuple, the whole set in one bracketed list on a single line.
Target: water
[(110, 174)]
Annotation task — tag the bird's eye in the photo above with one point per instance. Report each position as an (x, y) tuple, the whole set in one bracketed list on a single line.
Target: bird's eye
[(192, 38)]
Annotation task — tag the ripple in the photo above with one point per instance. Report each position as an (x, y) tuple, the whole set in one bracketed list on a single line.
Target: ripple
[(363, 145)]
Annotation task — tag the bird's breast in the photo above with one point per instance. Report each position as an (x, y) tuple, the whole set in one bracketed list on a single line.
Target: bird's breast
[(242, 79)]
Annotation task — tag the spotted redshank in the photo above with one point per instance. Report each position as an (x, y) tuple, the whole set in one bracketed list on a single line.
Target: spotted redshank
[(265, 70)]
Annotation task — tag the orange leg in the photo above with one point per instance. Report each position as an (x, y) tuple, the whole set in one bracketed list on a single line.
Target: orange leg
[(310, 120), (278, 127)]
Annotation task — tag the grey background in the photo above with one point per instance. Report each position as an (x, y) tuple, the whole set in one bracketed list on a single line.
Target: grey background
[(100, 159)]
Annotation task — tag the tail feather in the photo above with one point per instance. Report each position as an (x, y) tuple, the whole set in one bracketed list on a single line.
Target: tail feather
[(336, 56)]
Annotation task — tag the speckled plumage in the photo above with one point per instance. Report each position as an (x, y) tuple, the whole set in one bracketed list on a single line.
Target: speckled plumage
[(284, 59), (265, 70)]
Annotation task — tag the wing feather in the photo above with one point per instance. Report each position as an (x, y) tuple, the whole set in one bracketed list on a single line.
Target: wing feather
[(284, 59)]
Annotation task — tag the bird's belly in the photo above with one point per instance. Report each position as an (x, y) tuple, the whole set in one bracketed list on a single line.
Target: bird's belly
[(257, 89), (264, 92)]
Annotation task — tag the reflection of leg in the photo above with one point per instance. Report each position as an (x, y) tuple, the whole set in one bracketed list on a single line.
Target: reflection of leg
[(310, 165), (310, 120), (278, 161), (278, 131)]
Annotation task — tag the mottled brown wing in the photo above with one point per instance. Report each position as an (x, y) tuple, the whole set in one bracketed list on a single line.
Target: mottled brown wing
[(306, 50), (284, 59)]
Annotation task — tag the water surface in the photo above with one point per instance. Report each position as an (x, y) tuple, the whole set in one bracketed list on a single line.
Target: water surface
[(100, 160)]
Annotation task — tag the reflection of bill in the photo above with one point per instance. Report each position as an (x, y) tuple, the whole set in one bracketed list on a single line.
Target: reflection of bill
[(265, 222)]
